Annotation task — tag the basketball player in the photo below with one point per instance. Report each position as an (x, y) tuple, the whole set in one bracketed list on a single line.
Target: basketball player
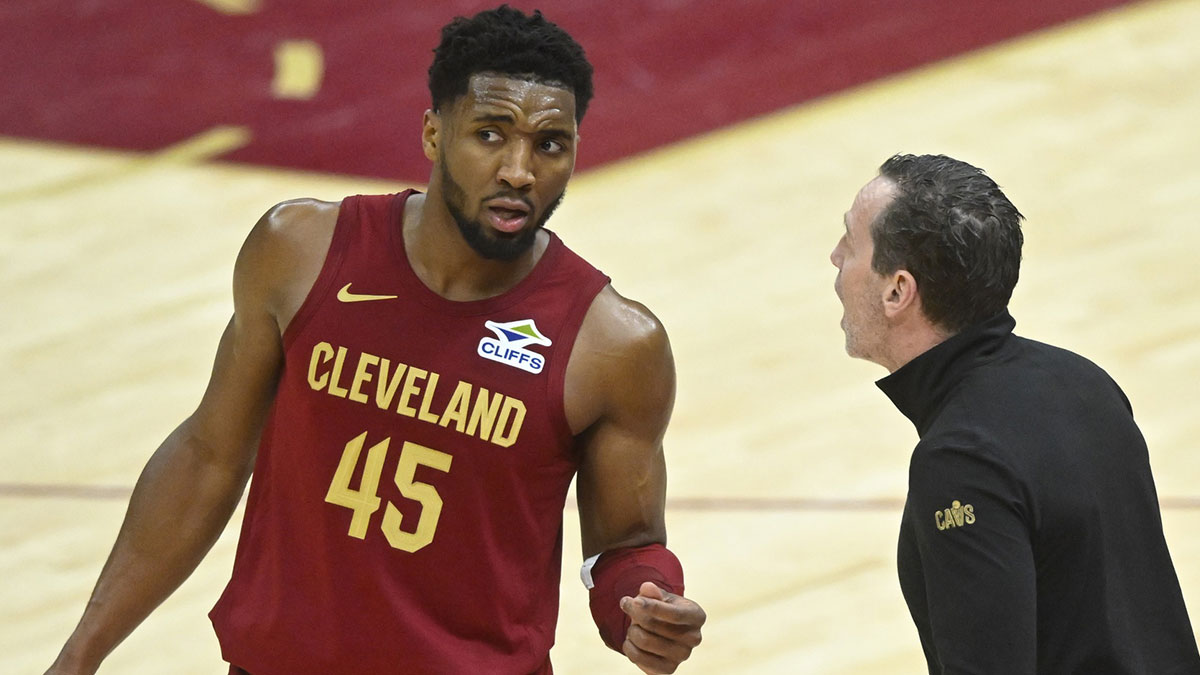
[(1031, 540), (413, 381)]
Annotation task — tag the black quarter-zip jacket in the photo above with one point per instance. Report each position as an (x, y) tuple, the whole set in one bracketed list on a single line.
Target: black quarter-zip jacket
[(1031, 540)]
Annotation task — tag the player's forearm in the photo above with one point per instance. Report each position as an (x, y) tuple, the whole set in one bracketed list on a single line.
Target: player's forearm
[(179, 507)]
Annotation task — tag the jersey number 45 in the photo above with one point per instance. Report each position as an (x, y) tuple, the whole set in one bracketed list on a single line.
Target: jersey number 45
[(365, 501)]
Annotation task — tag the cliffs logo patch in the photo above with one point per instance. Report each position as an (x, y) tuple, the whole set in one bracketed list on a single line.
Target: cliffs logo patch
[(510, 346)]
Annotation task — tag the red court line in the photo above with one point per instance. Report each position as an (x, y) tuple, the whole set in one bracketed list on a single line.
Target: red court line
[(708, 504)]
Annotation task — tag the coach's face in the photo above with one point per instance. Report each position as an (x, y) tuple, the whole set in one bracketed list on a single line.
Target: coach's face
[(504, 153), (859, 287)]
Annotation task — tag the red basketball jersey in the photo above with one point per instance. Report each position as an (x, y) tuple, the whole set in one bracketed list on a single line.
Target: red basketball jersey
[(405, 514)]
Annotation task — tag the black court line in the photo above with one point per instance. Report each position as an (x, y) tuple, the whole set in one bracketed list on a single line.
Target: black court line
[(734, 504)]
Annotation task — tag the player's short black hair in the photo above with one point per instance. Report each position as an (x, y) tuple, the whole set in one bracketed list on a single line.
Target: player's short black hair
[(954, 230), (508, 42)]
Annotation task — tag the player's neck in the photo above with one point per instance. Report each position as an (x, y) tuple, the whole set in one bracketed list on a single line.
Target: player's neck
[(447, 265)]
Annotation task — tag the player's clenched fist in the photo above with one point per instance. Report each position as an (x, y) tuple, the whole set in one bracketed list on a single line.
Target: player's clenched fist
[(663, 629)]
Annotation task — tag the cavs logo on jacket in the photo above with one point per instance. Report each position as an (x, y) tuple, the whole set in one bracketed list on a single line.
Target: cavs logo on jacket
[(511, 345), (958, 515)]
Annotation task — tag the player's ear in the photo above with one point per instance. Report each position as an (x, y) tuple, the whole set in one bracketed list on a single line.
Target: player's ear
[(900, 294), (431, 129)]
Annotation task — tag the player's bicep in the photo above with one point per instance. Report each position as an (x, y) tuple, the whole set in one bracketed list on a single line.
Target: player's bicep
[(240, 389), (976, 554), (621, 486), (248, 359)]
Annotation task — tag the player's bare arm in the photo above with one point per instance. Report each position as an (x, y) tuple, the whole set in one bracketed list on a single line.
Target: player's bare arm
[(620, 390), (191, 485)]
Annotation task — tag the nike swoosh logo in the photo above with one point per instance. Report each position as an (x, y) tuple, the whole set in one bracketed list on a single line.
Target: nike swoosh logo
[(346, 296)]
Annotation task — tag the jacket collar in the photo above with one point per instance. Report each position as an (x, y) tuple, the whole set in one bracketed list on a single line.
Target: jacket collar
[(920, 387)]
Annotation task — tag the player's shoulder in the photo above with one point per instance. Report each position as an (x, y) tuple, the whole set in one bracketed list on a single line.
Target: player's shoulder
[(296, 217), (621, 366), (285, 249), (618, 321), (624, 334), (291, 228)]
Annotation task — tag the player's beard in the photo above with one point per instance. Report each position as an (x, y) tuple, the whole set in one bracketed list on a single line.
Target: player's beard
[(482, 239)]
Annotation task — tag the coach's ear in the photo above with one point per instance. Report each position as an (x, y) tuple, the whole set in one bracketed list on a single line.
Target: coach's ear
[(431, 129), (900, 294)]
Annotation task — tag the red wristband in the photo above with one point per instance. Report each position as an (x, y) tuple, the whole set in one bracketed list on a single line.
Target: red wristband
[(621, 572)]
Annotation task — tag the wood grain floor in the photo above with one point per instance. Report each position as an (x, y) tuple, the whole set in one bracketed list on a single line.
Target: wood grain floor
[(787, 466)]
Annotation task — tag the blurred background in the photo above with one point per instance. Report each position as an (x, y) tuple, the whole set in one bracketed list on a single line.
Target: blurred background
[(139, 141)]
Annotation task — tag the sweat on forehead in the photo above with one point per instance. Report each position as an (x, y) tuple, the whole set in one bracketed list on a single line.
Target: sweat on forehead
[(501, 94)]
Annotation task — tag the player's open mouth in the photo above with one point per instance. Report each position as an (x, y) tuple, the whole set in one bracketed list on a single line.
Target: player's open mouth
[(507, 215)]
